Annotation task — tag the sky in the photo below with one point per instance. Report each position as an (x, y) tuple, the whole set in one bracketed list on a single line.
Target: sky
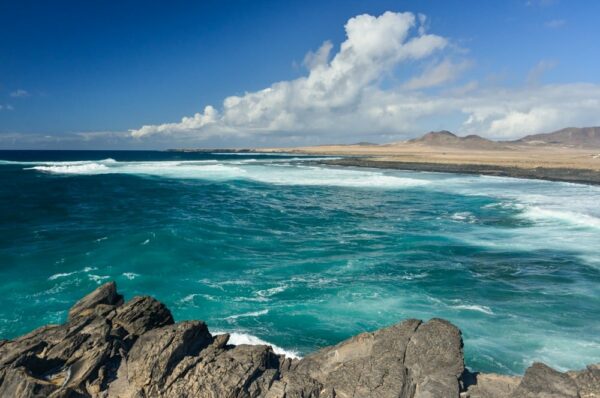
[(157, 75)]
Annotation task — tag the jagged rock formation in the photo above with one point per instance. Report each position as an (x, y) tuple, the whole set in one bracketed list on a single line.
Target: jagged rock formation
[(109, 348)]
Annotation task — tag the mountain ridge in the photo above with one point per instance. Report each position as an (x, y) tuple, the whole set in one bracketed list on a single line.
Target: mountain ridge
[(573, 137), (446, 138), (579, 137)]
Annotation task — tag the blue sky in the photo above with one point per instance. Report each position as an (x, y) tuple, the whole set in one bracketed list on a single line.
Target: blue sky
[(91, 74)]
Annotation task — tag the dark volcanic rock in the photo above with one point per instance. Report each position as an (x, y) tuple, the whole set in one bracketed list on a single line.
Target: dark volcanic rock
[(135, 350)]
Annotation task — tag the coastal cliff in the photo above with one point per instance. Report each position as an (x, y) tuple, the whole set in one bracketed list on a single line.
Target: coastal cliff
[(112, 348)]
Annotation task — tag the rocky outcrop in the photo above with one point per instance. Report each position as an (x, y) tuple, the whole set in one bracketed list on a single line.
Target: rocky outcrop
[(109, 348)]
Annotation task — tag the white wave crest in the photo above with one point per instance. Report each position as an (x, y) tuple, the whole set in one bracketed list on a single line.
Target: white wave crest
[(65, 274), (248, 314), (480, 308), (536, 213), (87, 168), (98, 278), (269, 172), (61, 275), (272, 291), (238, 338), (464, 216)]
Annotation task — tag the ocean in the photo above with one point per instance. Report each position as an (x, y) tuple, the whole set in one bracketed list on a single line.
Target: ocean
[(284, 250)]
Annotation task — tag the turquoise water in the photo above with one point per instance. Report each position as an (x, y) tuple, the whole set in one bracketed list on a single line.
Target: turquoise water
[(284, 250)]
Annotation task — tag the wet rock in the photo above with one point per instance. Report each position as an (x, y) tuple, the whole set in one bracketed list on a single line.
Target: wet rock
[(108, 348)]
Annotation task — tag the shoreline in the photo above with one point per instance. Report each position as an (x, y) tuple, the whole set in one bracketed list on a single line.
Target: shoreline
[(110, 347), (557, 174)]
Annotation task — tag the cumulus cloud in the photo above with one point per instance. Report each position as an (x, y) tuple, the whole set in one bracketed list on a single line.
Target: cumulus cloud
[(373, 47), (320, 57), (347, 93), (514, 113)]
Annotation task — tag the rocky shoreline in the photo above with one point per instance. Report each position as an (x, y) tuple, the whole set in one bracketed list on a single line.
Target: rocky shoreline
[(581, 176), (112, 348)]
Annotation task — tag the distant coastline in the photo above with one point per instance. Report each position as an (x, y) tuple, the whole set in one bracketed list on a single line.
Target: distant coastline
[(580, 176), (568, 155)]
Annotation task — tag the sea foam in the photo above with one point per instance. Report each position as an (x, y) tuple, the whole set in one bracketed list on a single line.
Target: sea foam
[(263, 171), (248, 314), (237, 338), (536, 213)]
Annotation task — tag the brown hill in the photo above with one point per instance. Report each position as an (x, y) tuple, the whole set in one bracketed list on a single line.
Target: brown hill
[(586, 137), (445, 138)]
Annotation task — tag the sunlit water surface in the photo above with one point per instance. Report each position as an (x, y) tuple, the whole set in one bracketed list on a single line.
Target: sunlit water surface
[(284, 250)]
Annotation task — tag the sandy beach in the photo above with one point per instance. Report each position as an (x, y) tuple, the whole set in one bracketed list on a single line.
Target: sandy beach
[(557, 163)]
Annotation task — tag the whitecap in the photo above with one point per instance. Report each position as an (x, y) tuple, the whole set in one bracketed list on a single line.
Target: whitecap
[(248, 314), (130, 275), (272, 291), (410, 277), (98, 278), (190, 298), (61, 275), (464, 216), (238, 338), (537, 213), (261, 171), (65, 274), (88, 168), (481, 308)]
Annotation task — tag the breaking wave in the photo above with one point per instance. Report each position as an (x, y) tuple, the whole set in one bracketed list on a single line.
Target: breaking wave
[(290, 172), (237, 338)]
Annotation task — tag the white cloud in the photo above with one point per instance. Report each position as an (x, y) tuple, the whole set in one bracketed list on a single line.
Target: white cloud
[(313, 60), (374, 46), (514, 113), (7, 107), (436, 74), (20, 93), (346, 95)]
